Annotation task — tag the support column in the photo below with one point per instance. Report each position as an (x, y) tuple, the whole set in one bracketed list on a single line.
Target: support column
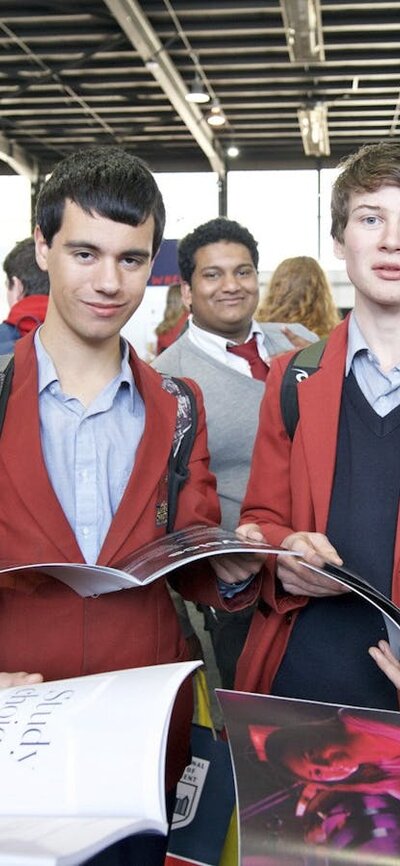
[(222, 195)]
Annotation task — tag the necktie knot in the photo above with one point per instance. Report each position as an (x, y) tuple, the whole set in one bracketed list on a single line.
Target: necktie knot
[(249, 351)]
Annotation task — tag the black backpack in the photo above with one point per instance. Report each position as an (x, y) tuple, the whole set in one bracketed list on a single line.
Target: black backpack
[(303, 364), (6, 374), (184, 435)]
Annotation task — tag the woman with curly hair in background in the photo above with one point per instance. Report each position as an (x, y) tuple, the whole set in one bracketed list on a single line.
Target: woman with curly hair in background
[(299, 292)]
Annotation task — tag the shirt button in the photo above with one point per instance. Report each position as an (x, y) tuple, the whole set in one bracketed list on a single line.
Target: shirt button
[(85, 531)]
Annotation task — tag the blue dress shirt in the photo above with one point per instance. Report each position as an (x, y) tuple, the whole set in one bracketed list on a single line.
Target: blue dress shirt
[(381, 389), (89, 452)]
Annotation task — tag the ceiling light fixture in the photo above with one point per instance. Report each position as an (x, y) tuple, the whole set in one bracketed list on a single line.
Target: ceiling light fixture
[(303, 30), (313, 122), (216, 117), (233, 151), (197, 92)]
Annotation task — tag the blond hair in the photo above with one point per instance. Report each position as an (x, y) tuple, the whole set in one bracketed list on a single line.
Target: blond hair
[(299, 292)]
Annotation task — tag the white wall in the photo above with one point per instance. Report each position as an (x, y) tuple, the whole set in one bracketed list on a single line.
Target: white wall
[(15, 221)]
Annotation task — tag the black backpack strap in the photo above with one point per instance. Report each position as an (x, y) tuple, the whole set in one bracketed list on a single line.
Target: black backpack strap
[(6, 374), (184, 436), (302, 365)]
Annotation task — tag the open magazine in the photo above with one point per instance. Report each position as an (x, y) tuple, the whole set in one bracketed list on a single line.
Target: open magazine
[(316, 784), (150, 562), (158, 558), (82, 763)]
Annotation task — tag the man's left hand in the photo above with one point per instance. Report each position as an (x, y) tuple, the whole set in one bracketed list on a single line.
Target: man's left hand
[(237, 567)]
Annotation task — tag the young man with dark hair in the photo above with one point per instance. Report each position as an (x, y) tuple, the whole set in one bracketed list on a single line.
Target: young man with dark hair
[(215, 231), (228, 354), (333, 492), (27, 294), (84, 452)]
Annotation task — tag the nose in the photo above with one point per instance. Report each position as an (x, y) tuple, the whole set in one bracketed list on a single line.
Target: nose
[(230, 282), (108, 276), (390, 239)]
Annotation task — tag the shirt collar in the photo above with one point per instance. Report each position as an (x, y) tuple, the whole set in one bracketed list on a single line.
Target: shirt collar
[(204, 337), (356, 344), (47, 373)]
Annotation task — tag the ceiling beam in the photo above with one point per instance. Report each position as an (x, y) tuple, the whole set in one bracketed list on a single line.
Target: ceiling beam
[(142, 36), (17, 158)]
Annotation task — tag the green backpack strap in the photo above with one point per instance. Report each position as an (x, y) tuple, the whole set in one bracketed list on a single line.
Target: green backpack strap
[(6, 374), (303, 364)]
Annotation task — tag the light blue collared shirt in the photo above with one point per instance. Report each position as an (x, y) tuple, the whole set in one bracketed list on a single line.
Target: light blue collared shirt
[(382, 390), (89, 452)]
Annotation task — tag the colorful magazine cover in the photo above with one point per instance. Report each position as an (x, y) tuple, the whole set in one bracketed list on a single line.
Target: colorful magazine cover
[(315, 783)]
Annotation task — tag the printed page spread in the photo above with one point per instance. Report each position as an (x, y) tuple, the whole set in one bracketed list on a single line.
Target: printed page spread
[(85, 755)]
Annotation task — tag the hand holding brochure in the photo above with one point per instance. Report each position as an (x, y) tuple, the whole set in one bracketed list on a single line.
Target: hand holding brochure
[(158, 558), (82, 762), (150, 562)]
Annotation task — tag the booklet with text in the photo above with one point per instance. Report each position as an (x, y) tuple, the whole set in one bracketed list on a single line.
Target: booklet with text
[(316, 784), (82, 763)]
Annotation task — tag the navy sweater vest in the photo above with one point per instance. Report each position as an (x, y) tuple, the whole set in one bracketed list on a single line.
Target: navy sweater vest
[(327, 658)]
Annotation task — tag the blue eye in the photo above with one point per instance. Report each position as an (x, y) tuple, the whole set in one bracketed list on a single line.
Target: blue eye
[(371, 220)]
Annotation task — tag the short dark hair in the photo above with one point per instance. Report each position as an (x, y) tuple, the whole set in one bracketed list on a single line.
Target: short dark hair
[(219, 229), (104, 180), (21, 262), (369, 168)]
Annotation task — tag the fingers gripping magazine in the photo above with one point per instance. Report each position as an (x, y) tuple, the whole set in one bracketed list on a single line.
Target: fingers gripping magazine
[(316, 784), (177, 549), (150, 562)]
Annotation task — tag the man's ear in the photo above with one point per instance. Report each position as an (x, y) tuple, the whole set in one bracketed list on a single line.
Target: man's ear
[(15, 291), (186, 293), (338, 249), (41, 249)]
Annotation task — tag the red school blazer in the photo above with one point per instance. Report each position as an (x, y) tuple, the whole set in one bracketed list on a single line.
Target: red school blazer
[(44, 625), (289, 490)]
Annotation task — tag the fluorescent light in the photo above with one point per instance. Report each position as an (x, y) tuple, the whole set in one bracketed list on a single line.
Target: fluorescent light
[(303, 30), (233, 151), (314, 130)]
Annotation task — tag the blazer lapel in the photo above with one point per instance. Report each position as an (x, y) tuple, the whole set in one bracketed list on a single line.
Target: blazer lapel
[(319, 404)]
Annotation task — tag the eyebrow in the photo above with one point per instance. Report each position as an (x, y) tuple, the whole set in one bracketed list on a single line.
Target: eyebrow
[(75, 245), (222, 267), (367, 207)]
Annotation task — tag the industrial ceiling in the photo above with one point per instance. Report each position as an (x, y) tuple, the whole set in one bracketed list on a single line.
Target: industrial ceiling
[(118, 72)]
